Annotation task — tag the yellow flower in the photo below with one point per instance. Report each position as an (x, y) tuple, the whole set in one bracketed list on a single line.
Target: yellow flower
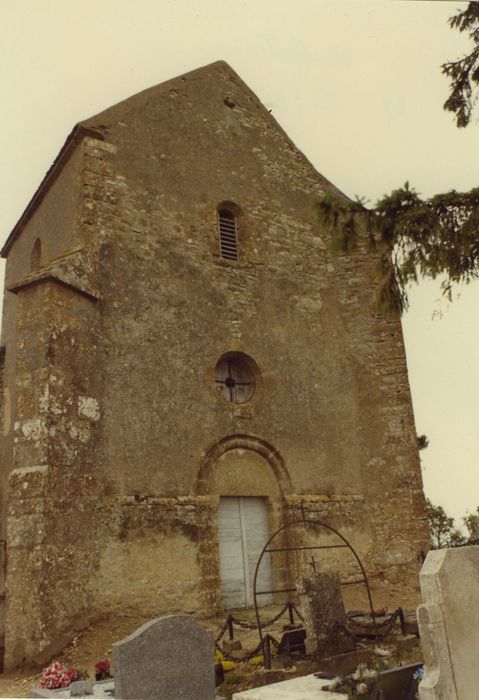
[(228, 665), (256, 661)]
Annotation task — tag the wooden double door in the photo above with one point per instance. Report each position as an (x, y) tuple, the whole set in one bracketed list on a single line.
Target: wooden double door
[(243, 532)]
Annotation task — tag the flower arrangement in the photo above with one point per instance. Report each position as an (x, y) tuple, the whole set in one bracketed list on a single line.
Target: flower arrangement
[(102, 670), (227, 665), (418, 674), (58, 676), (256, 661), (361, 683)]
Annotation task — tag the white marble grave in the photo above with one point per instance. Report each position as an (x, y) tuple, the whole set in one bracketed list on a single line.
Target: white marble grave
[(303, 688), (449, 624)]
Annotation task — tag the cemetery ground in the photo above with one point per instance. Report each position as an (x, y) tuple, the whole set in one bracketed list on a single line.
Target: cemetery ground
[(95, 642)]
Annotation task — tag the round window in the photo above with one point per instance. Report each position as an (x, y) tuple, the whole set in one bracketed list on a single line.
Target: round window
[(235, 378)]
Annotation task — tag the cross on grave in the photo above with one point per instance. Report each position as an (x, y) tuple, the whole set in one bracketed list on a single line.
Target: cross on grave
[(313, 563)]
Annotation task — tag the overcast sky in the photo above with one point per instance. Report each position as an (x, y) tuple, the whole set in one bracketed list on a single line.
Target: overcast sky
[(357, 86)]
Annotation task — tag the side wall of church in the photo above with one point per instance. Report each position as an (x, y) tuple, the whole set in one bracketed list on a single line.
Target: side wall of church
[(55, 225), (55, 508)]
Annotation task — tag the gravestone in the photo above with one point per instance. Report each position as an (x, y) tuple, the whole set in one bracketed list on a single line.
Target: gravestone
[(324, 614), (449, 624), (170, 658)]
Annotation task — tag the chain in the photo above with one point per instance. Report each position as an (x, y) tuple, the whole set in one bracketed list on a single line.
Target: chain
[(382, 628), (387, 625), (253, 626), (293, 606), (222, 631), (256, 652), (244, 625), (273, 641)]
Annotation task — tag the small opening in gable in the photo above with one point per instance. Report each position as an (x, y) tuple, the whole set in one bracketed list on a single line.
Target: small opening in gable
[(36, 255), (228, 233)]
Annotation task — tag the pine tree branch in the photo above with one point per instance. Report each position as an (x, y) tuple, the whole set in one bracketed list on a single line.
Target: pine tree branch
[(415, 238), (464, 73)]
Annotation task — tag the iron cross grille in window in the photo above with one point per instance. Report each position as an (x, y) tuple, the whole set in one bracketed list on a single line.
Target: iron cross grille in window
[(234, 380), (228, 234)]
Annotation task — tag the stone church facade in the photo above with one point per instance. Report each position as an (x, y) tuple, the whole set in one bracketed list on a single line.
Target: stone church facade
[(184, 367)]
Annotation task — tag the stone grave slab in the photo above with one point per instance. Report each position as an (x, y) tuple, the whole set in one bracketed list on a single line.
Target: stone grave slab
[(170, 658), (303, 688)]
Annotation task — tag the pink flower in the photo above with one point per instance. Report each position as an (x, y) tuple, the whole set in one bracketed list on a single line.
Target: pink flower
[(57, 676)]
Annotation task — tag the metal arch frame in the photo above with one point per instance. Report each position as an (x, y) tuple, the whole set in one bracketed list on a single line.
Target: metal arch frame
[(265, 550)]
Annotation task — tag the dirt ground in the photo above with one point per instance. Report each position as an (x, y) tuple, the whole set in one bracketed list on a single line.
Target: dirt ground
[(95, 642)]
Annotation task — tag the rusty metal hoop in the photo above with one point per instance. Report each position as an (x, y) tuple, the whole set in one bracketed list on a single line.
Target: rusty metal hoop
[(265, 550)]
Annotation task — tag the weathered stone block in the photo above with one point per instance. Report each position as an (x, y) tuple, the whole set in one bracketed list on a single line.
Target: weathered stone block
[(230, 645), (324, 614), (170, 658)]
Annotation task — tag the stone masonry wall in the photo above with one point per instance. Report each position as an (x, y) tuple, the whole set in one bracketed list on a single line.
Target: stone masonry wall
[(120, 444), (167, 542), (54, 518)]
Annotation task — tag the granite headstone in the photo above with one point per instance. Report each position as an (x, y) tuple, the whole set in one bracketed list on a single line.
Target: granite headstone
[(170, 658)]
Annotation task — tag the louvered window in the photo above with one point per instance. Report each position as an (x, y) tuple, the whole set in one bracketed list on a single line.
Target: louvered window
[(228, 234)]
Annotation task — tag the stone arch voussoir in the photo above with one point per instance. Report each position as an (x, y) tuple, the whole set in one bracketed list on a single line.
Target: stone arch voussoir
[(243, 442)]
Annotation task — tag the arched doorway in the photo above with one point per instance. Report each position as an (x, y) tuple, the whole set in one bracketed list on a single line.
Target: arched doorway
[(250, 479)]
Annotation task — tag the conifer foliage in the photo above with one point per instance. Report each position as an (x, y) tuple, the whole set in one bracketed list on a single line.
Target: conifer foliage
[(415, 237), (464, 73)]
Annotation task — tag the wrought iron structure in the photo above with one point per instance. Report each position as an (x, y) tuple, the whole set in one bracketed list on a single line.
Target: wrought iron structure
[(265, 641)]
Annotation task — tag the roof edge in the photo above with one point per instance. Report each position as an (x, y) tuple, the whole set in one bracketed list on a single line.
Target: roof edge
[(94, 119), (76, 135), (32, 280)]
